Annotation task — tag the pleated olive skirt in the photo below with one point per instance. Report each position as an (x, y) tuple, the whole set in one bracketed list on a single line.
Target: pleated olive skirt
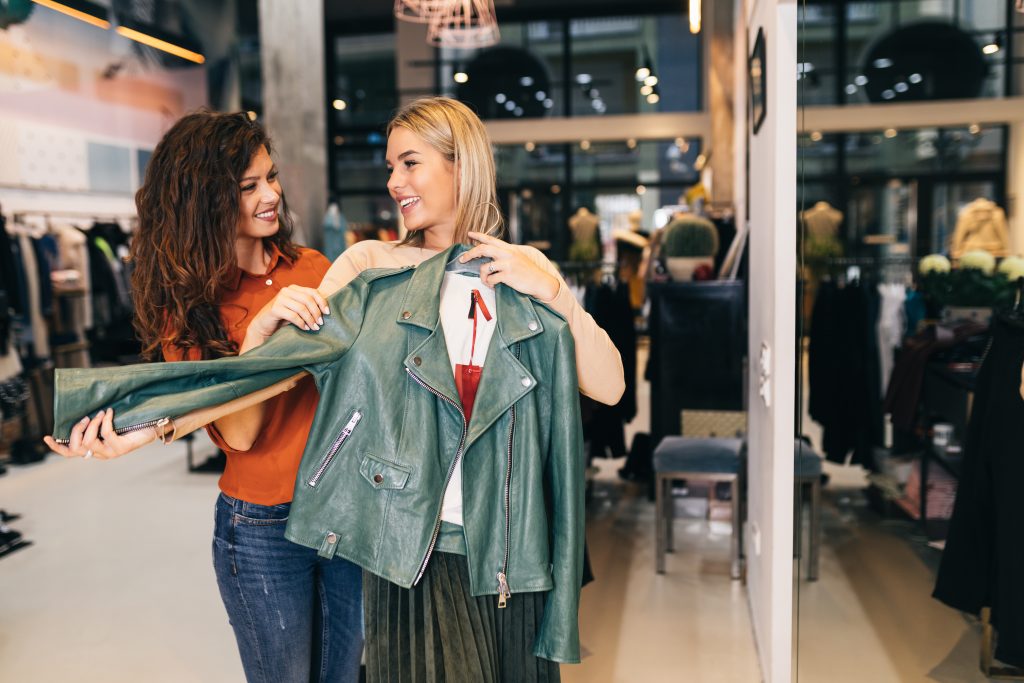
[(436, 632)]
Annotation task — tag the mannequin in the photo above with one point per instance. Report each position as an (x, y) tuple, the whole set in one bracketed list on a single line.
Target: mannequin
[(335, 231), (822, 220), (585, 246), (981, 225)]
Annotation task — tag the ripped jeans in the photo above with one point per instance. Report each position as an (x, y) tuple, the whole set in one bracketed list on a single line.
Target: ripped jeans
[(296, 616)]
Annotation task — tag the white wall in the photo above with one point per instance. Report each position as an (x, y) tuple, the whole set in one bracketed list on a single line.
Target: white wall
[(57, 110), (772, 221)]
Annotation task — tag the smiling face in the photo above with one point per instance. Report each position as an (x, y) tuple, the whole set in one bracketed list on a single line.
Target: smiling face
[(422, 182), (260, 193)]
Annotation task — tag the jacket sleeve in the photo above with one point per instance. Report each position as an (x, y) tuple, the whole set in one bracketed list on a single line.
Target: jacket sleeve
[(142, 394), (598, 362), (558, 637)]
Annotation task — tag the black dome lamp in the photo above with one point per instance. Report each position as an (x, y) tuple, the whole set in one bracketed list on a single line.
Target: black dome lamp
[(506, 83), (929, 60)]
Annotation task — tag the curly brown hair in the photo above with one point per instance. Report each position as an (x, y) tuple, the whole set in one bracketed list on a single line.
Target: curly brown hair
[(184, 250)]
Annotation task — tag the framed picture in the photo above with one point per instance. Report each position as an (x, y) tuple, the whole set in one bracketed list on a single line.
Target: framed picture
[(758, 85)]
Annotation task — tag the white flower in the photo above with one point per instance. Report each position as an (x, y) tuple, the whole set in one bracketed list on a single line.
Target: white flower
[(934, 263), (1013, 267), (979, 259)]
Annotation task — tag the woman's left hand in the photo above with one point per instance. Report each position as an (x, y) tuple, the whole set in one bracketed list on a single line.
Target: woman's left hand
[(510, 267)]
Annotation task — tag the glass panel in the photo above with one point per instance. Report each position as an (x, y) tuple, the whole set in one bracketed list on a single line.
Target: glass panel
[(358, 160), (525, 75), (364, 80)]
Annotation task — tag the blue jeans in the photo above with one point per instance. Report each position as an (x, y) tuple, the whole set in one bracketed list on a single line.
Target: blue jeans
[(297, 617)]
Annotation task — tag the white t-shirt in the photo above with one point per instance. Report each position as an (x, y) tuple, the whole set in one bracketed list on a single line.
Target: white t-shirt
[(456, 295)]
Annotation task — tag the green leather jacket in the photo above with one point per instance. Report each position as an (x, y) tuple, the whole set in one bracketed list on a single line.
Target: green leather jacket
[(389, 429)]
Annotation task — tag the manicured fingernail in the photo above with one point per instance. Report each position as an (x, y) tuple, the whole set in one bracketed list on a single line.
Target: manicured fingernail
[(83, 420), (320, 321), (327, 311), (100, 414), (305, 326), (316, 327)]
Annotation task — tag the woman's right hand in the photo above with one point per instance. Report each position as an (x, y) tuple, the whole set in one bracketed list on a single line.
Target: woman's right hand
[(303, 307), (95, 437)]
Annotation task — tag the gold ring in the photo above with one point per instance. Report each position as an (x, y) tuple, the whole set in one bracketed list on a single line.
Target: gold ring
[(490, 268)]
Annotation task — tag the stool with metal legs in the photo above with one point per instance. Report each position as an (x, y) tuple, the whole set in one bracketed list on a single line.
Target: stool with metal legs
[(706, 459)]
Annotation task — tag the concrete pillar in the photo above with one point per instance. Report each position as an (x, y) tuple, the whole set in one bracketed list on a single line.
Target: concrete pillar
[(414, 62), (718, 36), (295, 107)]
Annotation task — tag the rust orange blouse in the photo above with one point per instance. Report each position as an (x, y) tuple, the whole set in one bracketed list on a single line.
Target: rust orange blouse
[(265, 474)]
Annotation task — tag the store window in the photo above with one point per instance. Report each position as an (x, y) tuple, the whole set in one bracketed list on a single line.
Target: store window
[(579, 67), (855, 52), (902, 190)]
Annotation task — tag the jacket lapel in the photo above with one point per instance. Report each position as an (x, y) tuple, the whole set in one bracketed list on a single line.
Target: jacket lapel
[(505, 379)]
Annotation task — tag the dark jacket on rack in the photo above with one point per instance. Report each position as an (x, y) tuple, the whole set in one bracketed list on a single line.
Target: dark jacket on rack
[(983, 563), (389, 430), (843, 372), (604, 426)]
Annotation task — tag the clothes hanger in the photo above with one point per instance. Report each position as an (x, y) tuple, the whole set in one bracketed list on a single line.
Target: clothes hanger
[(470, 268)]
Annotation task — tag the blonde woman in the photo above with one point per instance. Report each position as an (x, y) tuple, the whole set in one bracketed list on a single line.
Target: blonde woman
[(447, 618)]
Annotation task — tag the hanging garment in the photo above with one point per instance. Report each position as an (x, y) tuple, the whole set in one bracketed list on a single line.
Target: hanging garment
[(891, 327), (30, 266), (983, 562), (844, 372), (604, 427), (9, 280), (389, 430), (335, 232), (981, 225)]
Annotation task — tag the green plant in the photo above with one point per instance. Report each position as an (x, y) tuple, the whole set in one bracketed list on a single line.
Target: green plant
[(690, 236), (966, 287)]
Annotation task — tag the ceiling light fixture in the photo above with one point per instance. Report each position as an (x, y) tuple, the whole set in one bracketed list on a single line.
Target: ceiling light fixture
[(694, 16), (461, 77), (340, 105), (89, 12), (464, 24), (995, 46), (155, 38), (419, 11)]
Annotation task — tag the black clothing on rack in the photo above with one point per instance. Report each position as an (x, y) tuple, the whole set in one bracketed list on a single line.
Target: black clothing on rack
[(605, 427), (843, 371), (983, 563), (9, 270)]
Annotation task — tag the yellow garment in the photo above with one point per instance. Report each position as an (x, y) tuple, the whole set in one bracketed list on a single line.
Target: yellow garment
[(981, 225)]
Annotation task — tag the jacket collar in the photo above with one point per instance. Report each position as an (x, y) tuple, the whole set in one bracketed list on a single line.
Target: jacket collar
[(517, 318), (505, 378)]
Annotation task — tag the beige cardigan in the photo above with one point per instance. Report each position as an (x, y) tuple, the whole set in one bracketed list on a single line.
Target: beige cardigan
[(598, 364)]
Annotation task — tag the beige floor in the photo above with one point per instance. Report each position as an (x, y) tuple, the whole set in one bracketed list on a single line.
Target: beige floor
[(118, 587)]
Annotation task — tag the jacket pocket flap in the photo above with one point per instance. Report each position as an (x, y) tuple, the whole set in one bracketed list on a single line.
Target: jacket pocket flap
[(382, 474)]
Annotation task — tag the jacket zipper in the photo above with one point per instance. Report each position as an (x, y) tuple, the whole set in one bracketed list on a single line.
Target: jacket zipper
[(504, 592), (451, 470), (335, 447), (129, 429)]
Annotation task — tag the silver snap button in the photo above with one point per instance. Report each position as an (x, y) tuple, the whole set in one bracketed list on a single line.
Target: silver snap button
[(533, 327), (526, 381), (332, 538), (269, 281)]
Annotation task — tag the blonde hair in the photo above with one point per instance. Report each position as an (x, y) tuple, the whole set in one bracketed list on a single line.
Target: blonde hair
[(453, 130)]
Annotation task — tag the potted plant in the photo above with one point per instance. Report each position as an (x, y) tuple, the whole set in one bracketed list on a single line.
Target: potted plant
[(689, 242)]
